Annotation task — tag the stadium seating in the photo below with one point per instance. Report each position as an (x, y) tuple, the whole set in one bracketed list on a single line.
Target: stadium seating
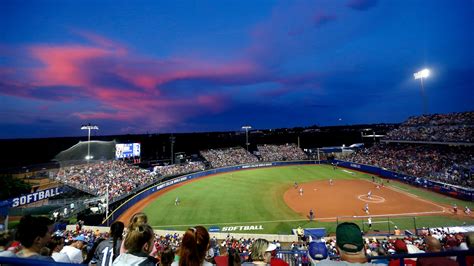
[(448, 164), (228, 157), (454, 127), (288, 152)]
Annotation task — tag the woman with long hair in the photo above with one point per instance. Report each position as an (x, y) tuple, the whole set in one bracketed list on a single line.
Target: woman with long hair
[(109, 249), (261, 252), (194, 247), (136, 219)]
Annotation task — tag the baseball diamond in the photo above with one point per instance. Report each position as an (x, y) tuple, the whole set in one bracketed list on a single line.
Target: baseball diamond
[(267, 197)]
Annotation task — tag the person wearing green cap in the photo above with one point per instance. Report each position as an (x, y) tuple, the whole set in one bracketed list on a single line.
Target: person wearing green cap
[(350, 246)]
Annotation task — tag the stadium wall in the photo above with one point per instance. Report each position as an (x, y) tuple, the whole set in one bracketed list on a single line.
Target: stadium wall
[(443, 188), (155, 188)]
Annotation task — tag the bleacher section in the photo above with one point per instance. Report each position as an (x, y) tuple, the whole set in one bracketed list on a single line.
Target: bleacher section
[(287, 152), (228, 157), (454, 127)]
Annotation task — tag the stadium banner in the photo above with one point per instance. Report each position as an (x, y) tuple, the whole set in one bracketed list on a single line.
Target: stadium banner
[(443, 188), (157, 187), (35, 196)]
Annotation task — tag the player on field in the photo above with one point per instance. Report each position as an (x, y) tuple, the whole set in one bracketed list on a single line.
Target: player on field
[(331, 182), (301, 191), (295, 185), (467, 210), (366, 208), (455, 208), (369, 194), (176, 201)]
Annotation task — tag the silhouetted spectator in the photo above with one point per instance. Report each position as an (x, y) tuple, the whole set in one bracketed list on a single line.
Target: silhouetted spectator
[(432, 246), (34, 233)]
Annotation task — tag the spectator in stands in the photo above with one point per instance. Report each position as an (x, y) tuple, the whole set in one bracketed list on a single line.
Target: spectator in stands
[(34, 233), (234, 258), (223, 258), (74, 251), (91, 251), (139, 244), (261, 252), (433, 245), (137, 219), (6, 239), (56, 244), (470, 246), (317, 251), (401, 248), (350, 246), (167, 257), (109, 249), (194, 247)]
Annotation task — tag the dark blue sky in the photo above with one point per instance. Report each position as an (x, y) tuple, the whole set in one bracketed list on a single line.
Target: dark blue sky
[(187, 66)]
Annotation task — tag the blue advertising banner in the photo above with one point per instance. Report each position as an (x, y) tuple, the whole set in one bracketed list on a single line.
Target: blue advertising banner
[(36, 196)]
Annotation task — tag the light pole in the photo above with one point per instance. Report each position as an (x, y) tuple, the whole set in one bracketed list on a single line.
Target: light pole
[(89, 127), (172, 141), (423, 74), (247, 136)]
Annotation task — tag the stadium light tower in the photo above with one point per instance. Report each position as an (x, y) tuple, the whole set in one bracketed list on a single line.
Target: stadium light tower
[(89, 127), (423, 74), (247, 135)]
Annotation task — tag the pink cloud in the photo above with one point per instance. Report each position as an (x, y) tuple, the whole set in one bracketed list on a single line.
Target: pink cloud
[(63, 64), (101, 116), (123, 86)]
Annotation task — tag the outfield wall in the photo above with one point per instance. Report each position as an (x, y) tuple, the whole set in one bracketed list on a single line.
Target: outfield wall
[(155, 188), (443, 188)]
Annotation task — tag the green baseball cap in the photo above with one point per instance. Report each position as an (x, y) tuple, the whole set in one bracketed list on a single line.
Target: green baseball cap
[(349, 237)]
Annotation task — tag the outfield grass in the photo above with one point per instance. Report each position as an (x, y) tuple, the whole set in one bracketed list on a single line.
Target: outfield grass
[(255, 197)]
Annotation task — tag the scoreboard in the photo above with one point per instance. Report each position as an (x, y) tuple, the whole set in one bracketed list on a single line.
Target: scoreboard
[(127, 150)]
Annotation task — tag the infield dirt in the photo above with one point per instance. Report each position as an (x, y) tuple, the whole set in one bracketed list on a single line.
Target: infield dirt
[(348, 198)]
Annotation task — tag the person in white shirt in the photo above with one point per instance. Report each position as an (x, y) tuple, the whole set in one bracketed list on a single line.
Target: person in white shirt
[(74, 251), (56, 244)]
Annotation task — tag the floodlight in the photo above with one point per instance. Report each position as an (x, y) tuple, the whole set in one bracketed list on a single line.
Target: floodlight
[(422, 74), (247, 135), (89, 127)]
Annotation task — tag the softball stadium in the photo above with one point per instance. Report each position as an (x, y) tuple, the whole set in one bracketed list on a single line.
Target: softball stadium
[(392, 189)]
